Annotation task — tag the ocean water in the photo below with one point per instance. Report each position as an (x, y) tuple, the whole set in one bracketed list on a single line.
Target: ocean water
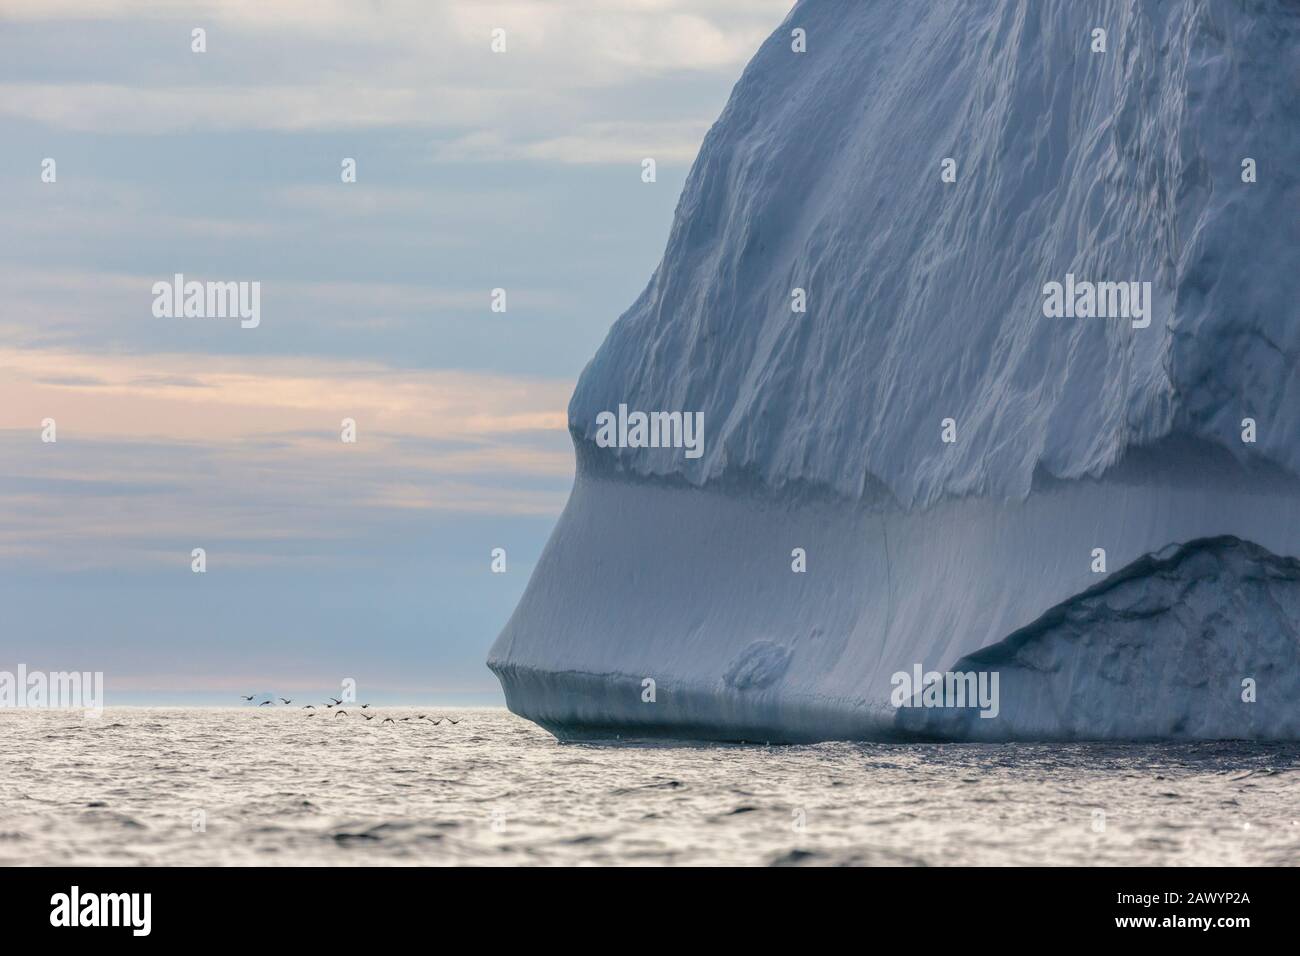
[(270, 786)]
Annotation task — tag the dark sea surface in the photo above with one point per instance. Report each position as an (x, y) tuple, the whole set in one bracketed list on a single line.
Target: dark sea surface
[(268, 786)]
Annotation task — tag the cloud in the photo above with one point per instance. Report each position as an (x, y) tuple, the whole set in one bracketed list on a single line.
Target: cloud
[(61, 308), (118, 108), (578, 83), (248, 452), (206, 397), (614, 142)]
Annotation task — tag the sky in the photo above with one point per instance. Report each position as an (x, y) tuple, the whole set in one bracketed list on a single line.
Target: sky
[(475, 170)]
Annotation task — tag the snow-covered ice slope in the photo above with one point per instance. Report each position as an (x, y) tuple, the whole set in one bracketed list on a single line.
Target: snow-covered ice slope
[(822, 429)]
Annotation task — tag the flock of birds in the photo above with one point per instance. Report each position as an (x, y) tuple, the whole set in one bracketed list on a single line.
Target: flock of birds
[(340, 712)]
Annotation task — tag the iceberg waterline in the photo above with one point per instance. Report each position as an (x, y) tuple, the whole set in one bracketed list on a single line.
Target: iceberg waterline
[(925, 303)]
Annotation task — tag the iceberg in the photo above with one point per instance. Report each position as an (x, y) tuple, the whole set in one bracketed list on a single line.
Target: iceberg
[(911, 456)]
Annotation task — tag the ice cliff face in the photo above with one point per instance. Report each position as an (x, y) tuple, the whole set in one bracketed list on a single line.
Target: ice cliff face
[(824, 430)]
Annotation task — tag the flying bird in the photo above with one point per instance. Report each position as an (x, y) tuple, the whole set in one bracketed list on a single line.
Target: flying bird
[(388, 720), (286, 700), (451, 719), (263, 703), (368, 716), (340, 713), (336, 700), (309, 707), (249, 697), (364, 706)]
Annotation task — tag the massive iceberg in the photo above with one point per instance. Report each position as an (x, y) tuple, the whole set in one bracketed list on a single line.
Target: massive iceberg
[(930, 468)]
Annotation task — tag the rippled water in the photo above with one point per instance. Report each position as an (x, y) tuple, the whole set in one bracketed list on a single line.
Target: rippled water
[(278, 787)]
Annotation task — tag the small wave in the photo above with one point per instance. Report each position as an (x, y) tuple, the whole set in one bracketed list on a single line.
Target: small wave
[(795, 858), (665, 785), (114, 818)]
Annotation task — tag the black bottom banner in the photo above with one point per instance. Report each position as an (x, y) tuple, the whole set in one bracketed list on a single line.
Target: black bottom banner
[(331, 906)]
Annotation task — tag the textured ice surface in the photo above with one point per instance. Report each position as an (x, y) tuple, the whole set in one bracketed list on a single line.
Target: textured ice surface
[(822, 429), (925, 298), (1159, 650)]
